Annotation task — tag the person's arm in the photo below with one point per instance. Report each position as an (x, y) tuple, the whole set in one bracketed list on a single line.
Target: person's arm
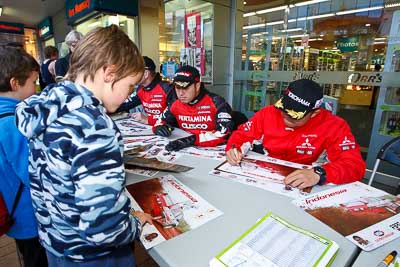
[(16, 150), (223, 126), (242, 138), (166, 123), (98, 175), (61, 67), (345, 162), (131, 102)]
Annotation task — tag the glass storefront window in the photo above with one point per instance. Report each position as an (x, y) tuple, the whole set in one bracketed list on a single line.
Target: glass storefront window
[(330, 36), (49, 42), (186, 33), (30, 44), (127, 24)]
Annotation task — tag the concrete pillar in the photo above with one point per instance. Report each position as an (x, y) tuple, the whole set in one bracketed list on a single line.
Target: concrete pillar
[(227, 46), (149, 30)]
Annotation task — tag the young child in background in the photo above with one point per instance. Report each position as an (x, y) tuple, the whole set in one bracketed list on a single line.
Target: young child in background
[(18, 74), (76, 165)]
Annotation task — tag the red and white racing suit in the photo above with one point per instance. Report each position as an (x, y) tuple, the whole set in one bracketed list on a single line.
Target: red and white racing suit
[(323, 132), (153, 98), (208, 117)]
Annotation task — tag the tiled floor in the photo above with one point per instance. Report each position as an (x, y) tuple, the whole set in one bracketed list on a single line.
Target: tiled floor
[(9, 256), (8, 252)]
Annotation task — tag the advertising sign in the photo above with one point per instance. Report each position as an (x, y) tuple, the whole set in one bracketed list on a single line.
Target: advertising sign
[(45, 28), (348, 44), (8, 27), (192, 30)]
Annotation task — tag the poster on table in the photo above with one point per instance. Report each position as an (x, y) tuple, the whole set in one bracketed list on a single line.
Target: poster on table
[(366, 216), (263, 172), (192, 30), (130, 127), (149, 147), (216, 153), (176, 208)]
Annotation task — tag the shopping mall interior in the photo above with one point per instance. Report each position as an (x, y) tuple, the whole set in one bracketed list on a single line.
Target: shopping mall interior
[(249, 50)]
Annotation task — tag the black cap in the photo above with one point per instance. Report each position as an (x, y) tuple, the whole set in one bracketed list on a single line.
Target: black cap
[(186, 76), (149, 64), (301, 97)]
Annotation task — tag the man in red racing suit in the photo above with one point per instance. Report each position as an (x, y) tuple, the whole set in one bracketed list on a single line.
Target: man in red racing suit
[(297, 130), (152, 95), (206, 115)]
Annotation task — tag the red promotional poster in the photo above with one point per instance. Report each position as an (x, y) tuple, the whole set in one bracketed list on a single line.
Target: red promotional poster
[(367, 216), (192, 30), (176, 209)]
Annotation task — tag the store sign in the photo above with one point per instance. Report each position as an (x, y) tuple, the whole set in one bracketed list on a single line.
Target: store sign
[(349, 44), (45, 28), (358, 77), (8, 27), (378, 60), (77, 9), (323, 77)]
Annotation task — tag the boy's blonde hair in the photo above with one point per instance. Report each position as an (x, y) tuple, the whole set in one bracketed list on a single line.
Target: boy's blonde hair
[(103, 47)]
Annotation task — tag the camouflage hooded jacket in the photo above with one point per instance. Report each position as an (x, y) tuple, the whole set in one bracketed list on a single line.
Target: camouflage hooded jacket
[(76, 173)]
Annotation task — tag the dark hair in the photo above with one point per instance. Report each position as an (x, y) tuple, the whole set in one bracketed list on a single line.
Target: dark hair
[(15, 63), (50, 51), (102, 47)]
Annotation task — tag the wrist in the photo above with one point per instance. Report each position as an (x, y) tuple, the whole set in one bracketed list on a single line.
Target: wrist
[(320, 171)]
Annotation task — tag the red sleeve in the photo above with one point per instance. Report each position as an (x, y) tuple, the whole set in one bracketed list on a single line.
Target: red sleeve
[(345, 162), (223, 126), (249, 131)]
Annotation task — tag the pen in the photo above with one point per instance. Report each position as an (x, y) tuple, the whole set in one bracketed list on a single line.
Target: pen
[(388, 259), (236, 154)]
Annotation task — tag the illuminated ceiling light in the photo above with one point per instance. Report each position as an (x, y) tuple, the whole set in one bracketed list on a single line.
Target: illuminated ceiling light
[(254, 26), (274, 22), (1, 10), (316, 17), (292, 30), (297, 36), (379, 43), (244, 3), (367, 25), (249, 14), (380, 38), (392, 5), (271, 9), (310, 2), (358, 10)]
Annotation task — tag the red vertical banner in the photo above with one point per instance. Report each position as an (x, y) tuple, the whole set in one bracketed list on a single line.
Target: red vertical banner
[(192, 30)]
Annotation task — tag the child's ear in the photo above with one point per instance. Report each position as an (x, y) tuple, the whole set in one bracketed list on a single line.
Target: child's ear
[(14, 84), (109, 73)]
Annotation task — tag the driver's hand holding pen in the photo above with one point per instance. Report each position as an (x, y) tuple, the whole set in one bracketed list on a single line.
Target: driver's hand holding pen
[(234, 156)]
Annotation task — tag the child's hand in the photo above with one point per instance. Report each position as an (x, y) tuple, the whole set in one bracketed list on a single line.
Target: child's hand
[(143, 217)]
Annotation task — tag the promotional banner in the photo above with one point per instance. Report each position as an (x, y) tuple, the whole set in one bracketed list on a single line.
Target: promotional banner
[(192, 30), (366, 216), (263, 172), (176, 208)]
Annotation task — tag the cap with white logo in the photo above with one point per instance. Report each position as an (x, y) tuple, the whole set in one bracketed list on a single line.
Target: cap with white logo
[(301, 97)]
